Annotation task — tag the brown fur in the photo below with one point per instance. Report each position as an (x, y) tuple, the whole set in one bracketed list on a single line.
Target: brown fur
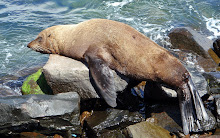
[(107, 44), (122, 47)]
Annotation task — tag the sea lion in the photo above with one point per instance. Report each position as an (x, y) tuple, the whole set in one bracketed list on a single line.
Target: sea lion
[(107, 45)]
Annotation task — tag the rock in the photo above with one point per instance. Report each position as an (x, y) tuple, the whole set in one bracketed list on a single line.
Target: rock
[(214, 56), (216, 46), (213, 79), (36, 84), (147, 130), (165, 121), (40, 112), (33, 106), (65, 74), (32, 135), (102, 122), (166, 114), (115, 134), (201, 63), (188, 39)]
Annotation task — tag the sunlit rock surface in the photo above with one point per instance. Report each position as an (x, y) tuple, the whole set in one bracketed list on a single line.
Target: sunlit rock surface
[(147, 130), (40, 112), (189, 39), (65, 74)]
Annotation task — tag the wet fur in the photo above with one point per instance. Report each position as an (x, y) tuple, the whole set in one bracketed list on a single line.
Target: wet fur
[(109, 45)]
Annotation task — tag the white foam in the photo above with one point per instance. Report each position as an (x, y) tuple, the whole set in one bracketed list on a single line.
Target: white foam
[(118, 4), (213, 25)]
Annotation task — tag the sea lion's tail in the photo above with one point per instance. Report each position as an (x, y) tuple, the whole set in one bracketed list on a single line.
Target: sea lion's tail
[(192, 108)]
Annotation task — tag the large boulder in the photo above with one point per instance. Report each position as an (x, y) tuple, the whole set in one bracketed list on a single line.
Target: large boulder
[(40, 112), (188, 39), (64, 74)]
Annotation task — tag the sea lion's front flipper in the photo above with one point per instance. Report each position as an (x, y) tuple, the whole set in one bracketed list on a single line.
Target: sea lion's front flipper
[(104, 79), (191, 107)]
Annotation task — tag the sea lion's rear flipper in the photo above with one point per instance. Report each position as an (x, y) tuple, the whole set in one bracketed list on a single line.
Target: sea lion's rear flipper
[(191, 107), (104, 79)]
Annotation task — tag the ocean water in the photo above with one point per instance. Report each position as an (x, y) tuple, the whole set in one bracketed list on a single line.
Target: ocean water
[(22, 20)]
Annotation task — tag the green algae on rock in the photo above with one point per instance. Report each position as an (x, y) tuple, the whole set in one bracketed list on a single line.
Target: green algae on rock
[(36, 84)]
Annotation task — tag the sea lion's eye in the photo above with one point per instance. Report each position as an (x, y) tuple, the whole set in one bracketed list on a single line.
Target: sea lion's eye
[(39, 39), (49, 35)]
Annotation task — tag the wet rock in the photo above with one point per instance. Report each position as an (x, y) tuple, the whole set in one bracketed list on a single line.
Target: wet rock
[(216, 46), (188, 39), (147, 130), (201, 63), (40, 112), (102, 122), (65, 74), (32, 106), (36, 84), (213, 79)]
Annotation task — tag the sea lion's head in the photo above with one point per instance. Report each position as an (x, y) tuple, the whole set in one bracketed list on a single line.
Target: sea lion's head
[(45, 42)]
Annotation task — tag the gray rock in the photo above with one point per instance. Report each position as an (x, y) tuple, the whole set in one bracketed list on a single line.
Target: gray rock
[(188, 39), (33, 106), (48, 112), (65, 74), (102, 122)]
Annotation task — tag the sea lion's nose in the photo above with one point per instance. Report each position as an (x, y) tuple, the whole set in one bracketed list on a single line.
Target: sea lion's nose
[(29, 45)]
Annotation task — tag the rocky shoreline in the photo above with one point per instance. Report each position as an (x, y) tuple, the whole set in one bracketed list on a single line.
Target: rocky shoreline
[(77, 111)]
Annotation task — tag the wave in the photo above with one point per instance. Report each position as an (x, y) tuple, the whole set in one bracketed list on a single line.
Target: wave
[(213, 25)]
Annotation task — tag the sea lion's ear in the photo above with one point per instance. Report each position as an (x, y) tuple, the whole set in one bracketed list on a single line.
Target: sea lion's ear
[(104, 79)]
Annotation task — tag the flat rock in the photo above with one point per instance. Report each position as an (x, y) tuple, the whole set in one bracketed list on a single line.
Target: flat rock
[(40, 112), (64, 74), (147, 130), (189, 39), (16, 108)]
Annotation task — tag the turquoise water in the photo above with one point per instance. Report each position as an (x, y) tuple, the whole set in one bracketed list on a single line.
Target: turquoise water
[(22, 20)]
